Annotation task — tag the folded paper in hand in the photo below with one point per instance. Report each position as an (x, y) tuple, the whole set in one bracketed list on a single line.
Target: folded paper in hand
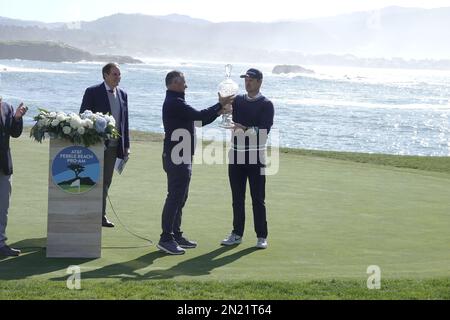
[(120, 165)]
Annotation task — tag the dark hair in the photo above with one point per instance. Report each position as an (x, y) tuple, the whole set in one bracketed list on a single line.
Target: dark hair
[(107, 68), (172, 75)]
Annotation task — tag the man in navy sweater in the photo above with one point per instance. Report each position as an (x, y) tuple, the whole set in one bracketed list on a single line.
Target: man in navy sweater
[(253, 118), (179, 147)]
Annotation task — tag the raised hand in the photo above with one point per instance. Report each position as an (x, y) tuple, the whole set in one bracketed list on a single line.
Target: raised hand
[(239, 127), (226, 100), (20, 112)]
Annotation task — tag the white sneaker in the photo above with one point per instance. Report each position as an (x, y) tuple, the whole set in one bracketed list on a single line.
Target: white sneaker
[(232, 240), (262, 243)]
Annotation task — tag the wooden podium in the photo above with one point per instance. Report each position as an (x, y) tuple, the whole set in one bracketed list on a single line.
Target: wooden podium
[(75, 194)]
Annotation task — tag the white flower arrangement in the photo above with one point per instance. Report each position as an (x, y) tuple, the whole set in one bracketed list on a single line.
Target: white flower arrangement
[(87, 128)]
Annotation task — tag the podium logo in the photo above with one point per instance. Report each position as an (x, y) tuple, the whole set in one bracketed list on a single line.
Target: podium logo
[(76, 170)]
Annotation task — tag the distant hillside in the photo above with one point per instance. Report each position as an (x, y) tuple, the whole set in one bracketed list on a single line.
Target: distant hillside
[(23, 23), (407, 33), (54, 52)]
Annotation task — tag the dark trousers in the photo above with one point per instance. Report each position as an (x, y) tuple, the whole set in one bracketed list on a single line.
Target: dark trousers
[(178, 180), (5, 195), (238, 175), (108, 171)]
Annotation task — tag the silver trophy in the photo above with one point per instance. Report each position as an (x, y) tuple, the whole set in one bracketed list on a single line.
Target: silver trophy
[(228, 88)]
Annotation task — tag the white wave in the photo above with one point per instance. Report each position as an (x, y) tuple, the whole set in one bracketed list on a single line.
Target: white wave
[(181, 61), (152, 62), (352, 78), (398, 77), (85, 62), (359, 104), (393, 76), (8, 69), (330, 77)]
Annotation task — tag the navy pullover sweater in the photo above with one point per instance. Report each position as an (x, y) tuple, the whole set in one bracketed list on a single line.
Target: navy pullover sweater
[(257, 114), (177, 114)]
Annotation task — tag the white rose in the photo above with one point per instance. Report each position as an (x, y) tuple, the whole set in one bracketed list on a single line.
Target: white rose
[(55, 123), (81, 130), (61, 117), (52, 115), (67, 130), (89, 123), (112, 121), (75, 122)]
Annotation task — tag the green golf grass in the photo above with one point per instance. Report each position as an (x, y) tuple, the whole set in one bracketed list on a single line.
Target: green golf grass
[(330, 215)]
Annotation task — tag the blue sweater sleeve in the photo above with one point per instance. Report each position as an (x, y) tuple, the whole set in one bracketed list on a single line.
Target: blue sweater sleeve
[(268, 113), (182, 110)]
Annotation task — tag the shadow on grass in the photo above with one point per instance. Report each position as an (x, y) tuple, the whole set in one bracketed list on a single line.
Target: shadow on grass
[(198, 266), (33, 261)]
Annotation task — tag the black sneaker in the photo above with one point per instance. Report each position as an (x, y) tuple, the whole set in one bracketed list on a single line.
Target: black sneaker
[(186, 244), (171, 247), (106, 223), (9, 252)]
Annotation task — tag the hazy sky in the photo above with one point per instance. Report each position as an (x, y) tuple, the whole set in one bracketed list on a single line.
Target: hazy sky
[(213, 10)]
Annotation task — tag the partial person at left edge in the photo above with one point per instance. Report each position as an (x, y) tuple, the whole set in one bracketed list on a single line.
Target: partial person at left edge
[(11, 125), (108, 98)]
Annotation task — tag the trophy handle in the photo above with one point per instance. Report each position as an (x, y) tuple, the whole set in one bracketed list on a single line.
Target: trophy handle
[(228, 69)]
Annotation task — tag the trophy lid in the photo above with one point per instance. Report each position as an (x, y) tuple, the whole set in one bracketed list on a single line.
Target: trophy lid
[(228, 69), (228, 87)]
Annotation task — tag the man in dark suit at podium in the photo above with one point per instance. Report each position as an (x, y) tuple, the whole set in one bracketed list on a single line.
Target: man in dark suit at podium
[(11, 125), (106, 98)]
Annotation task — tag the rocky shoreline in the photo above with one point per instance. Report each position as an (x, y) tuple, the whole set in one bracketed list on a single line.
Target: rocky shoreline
[(279, 69), (55, 52)]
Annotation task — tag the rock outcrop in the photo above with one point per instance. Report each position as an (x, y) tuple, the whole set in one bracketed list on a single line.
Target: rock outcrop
[(54, 52), (290, 69)]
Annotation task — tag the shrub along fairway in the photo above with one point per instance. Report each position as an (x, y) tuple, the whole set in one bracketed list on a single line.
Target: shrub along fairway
[(331, 216)]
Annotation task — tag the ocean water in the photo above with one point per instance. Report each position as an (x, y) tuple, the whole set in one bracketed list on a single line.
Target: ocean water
[(404, 112)]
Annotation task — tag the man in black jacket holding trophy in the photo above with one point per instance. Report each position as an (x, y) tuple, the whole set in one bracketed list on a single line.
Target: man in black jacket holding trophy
[(179, 145)]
